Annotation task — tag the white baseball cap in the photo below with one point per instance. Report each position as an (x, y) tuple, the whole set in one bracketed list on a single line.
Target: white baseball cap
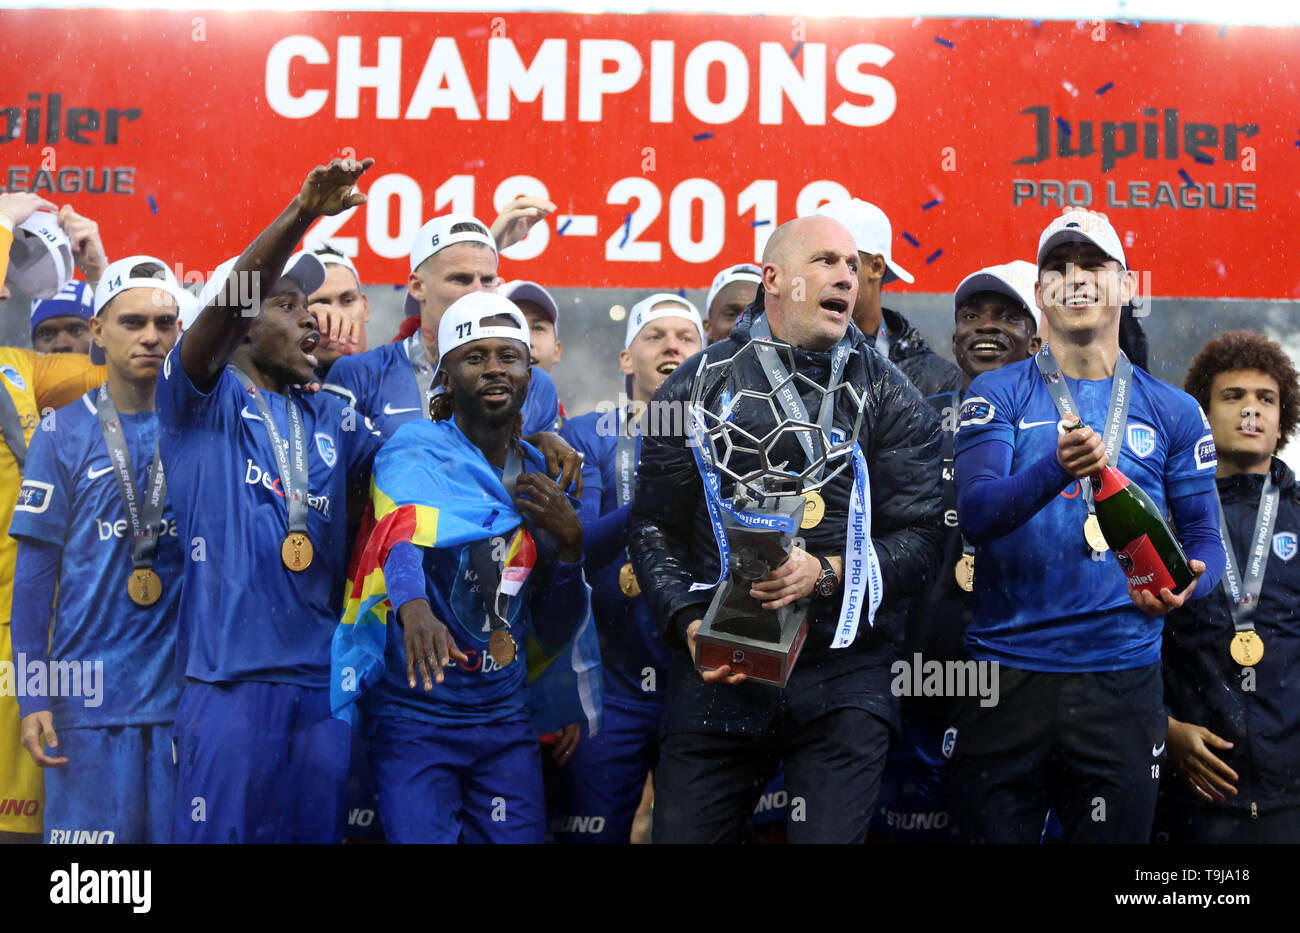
[(1014, 279), (519, 290), (304, 267), (436, 236), (1082, 227), (744, 272), (117, 279), (871, 232), (40, 257), (462, 323), (661, 304), (334, 259)]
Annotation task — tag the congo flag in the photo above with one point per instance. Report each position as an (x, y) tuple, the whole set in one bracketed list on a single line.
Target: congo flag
[(433, 487)]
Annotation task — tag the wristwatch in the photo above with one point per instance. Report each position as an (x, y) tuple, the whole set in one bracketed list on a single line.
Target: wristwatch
[(829, 581)]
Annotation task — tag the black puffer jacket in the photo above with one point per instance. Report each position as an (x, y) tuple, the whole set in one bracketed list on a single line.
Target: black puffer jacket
[(910, 352), (671, 539)]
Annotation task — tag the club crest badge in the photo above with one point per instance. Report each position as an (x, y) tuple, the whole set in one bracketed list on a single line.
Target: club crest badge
[(1285, 544)]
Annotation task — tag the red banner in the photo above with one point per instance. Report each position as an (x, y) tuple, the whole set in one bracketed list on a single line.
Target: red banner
[(672, 144)]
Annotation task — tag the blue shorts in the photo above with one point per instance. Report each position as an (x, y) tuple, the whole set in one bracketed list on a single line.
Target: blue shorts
[(363, 823), (913, 805), (116, 787), (448, 784), (259, 762), (597, 791)]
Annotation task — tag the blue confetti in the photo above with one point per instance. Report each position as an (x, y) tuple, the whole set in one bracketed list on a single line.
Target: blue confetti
[(153, 205), (700, 137), (1223, 31), (929, 204), (1203, 159), (942, 41), (798, 47), (627, 230), (1186, 178), (1105, 87), (564, 226), (911, 239), (1063, 126), (682, 292), (764, 223), (933, 256)]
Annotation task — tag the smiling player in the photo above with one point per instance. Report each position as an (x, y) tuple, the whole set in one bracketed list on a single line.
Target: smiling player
[(94, 528), (1080, 723)]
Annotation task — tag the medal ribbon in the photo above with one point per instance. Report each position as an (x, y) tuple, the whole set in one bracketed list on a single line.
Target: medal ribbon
[(1116, 419), (882, 338), (11, 427), (291, 463), (778, 376), (861, 564), (1244, 595), (487, 568), (625, 458), (712, 499), (950, 467), (145, 518), (419, 358)]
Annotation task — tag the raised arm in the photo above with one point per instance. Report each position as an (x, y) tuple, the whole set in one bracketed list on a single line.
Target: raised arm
[(223, 324)]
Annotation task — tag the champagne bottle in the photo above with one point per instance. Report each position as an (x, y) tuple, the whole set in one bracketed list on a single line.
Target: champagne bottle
[(1138, 535)]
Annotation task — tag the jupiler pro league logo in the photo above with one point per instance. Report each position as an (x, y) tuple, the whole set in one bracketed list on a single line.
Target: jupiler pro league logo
[(974, 411), (1285, 544), (33, 496)]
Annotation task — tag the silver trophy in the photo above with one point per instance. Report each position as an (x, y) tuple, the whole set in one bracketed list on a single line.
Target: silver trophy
[(749, 445)]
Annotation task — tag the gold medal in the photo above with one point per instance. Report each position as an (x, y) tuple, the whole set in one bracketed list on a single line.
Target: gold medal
[(1092, 534), (627, 581), (143, 586), (297, 551), (814, 509), (964, 571), (1247, 648), (502, 648)]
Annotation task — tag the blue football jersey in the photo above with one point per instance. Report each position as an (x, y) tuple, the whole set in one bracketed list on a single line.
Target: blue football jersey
[(480, 691), (381, 384), (633, 653), (129, 650), (243, 614), (1042, 602)]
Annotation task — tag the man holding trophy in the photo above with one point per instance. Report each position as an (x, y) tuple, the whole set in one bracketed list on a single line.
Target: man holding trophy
[(802, 490)]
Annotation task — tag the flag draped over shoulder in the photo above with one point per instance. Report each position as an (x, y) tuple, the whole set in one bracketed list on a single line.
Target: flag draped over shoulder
[(432, 487)]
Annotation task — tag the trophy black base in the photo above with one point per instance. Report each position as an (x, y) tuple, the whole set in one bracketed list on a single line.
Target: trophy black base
[(765, 661)]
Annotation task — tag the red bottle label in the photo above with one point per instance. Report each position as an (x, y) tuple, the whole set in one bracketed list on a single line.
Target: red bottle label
[(1112, 481), (1143, 566)]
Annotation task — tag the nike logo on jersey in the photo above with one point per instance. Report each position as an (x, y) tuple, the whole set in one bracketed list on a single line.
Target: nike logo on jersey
[(245, 413), (1155, 752), (1026, 425), (390, 410), (92, 473)]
